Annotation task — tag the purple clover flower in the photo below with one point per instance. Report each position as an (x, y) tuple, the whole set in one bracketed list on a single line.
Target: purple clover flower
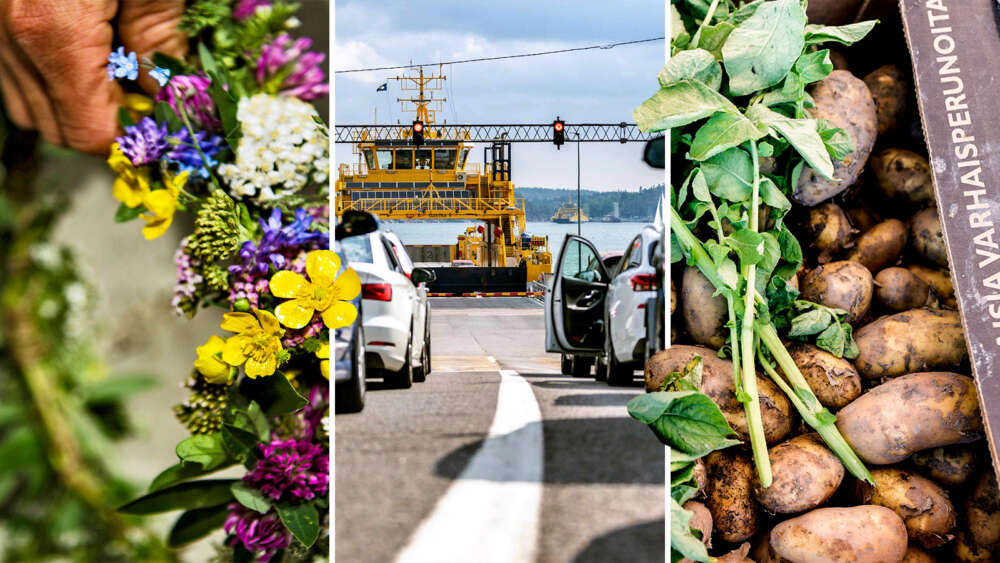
[(185, 154), (190, 92), (144, 142), (261, 534), (305, 79), (188, 277), (294, 470), (246, 8)]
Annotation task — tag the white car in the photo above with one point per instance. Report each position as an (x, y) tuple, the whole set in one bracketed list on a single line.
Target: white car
[(395, 312), (593, 313)]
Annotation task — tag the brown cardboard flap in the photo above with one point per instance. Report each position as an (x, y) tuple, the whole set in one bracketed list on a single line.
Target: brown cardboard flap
[(955, 50)]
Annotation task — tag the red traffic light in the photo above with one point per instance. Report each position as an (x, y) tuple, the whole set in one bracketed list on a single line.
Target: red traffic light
[(418, 126), (558, 125)]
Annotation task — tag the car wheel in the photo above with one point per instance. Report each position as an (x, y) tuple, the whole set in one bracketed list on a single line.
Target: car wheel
[(351, 394), (582, 365), (403, 379), (566, 364), (618, 374)]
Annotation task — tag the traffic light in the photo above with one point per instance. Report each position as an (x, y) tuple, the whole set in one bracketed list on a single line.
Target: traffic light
[(418, 133), (558, 132)]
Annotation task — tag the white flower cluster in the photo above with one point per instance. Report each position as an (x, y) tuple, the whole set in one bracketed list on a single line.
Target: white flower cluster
[(282, 149)]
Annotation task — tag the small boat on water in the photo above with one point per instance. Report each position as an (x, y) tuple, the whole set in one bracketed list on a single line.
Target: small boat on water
[(567, 213)]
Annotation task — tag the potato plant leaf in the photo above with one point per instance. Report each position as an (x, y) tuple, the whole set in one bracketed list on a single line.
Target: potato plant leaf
[(682, 536), (844, 34), (800, 133), (762, 49), (722, 132), (681, 103), (698, 64), (684, 420), (730, 174)]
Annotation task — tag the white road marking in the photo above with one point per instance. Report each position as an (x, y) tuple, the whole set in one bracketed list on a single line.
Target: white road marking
[(491, 513)]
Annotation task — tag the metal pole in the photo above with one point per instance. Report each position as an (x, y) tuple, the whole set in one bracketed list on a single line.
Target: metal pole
[(579, 209)]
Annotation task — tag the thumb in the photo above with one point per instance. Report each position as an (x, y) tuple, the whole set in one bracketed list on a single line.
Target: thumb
[(149, 26)]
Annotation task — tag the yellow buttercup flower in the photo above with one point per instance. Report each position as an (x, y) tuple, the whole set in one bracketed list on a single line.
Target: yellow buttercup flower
[(324, 356), (324, 292), (161, 205), (143, 105), (257, 342), (132, 185), (210, 364)]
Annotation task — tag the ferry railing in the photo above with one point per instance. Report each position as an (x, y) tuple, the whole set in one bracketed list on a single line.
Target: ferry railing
[(432, 207)]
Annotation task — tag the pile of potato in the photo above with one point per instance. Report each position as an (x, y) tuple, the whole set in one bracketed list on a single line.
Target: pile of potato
[(907, 404)]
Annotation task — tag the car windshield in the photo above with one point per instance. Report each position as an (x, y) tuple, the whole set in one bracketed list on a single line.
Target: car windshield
[(357, 249)]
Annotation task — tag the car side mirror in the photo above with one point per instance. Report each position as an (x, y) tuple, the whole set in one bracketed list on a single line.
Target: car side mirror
[(655, 152), (422, 275), (353, 223)]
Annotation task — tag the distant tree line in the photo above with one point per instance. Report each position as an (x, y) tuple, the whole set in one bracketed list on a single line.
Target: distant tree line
[(542, 203)]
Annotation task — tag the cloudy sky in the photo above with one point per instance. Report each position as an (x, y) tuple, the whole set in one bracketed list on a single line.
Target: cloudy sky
[(589, 86)]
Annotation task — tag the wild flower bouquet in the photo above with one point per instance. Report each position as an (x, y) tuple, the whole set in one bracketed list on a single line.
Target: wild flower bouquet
[(232, 139)]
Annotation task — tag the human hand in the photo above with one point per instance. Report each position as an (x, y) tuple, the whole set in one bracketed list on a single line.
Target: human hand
[(53, 55)]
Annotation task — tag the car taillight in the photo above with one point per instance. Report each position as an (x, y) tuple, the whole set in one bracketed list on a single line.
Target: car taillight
[(376, 291), (643, 282)]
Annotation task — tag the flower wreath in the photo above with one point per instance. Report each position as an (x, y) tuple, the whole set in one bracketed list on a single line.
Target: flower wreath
[(232, 139)]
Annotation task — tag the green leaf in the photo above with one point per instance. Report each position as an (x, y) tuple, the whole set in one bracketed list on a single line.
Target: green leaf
[(302, 521), (196, 524), (838, 143), (730, 174), (125, 118), (685, 102), (844, 34), (181, 471), (769, 257), (699, 187), (208, 61), (761, 50), (810, 322), (676, 252), (772, 196), (721, 132), (729, 274), (851, 351), (204, 449), (116, 387), (682, 536), (815, 66), (689, 422), (826, 417), (259, 420), (791, 251), (800, 133), (698, 64), (190, 495), (744, 12), (747, 244), (646, 408), (250, 497), (126, 213), (274, 393), (175, 66), (832, 340), (227, 107), (713, 37), (240, 443), (165, 114)]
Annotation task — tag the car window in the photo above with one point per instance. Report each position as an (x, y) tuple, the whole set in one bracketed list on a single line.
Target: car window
[(634, 257), (581, 262), (652, 249), (390, 255), (358, 249)]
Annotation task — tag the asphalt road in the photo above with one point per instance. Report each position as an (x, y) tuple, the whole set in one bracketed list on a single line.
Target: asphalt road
[(466, 467)]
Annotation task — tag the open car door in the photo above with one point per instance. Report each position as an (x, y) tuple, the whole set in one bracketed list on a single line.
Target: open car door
[(574, 305)]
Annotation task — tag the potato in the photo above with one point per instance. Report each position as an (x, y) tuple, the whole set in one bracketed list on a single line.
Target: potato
[(856, 534), (705, 315), (844, 100), (701, 520), (917, 555), (832, 12), (923, 505), (777, 412), (806, 474), (890, 88), (843, 285), (966, 551), (927, 238), (880, 246), (829, 230), (908, 342), (700, 475), (903, 177), (862, 217), (939, 280), (898, 289), (951, 466), (911, 413), (728, 495), (673, 296), (982, 512), (833, 380), (738, 555)]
